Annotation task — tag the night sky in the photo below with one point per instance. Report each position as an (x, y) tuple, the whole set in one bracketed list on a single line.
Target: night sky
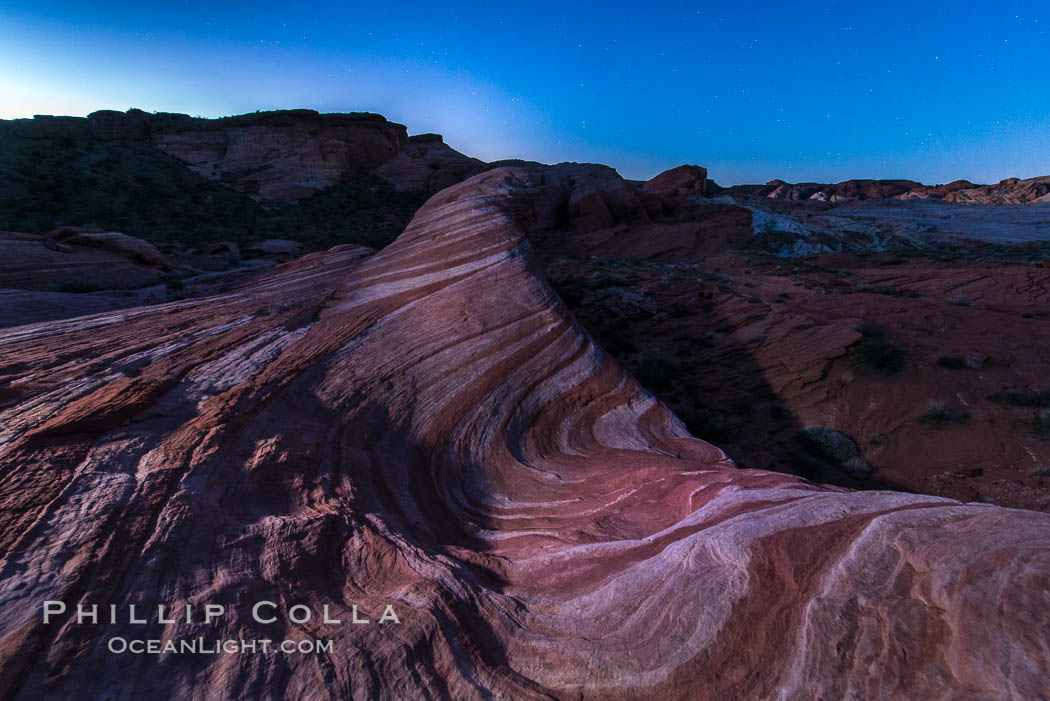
[(821, 91)]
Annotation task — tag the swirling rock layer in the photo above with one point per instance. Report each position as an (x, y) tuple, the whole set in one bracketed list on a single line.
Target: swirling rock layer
[(428, 427)]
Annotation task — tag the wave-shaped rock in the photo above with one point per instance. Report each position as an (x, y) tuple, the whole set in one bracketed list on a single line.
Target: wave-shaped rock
[(427, 427)]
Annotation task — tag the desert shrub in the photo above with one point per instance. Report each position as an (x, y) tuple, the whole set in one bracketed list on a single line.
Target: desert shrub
[(605, 281), (831, 447), (79, 287), (807, 465), (877, 356), (951, 362), (891, 291), (620, 345), (939, 414), (1042, 420), (569, 292), (829, 444), (704, 422), (681, 310), (961, 301), (869, 329), (1022, 397), (657, 373), (858, 468)]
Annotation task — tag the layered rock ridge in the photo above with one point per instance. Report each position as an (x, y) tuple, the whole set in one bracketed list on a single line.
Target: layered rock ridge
[(428, 427)]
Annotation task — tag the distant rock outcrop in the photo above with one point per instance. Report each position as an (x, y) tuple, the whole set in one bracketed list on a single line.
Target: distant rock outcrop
[(278, 155), (429, 428), (428, 164), (683, 180), (77, 259), (1009, 191), (291, 155), (134, 249), (285, 155), (850, 189)]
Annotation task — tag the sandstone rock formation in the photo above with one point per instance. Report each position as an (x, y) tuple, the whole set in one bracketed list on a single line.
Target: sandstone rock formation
[(683, 180), (280, 247), (288, 156), (428, 427), (74, 257), (73, 271), (428, 164), (1009, 191), (291, 155), (750, 355), (750, 348), (850, 189), (283, 155), (128, 246)]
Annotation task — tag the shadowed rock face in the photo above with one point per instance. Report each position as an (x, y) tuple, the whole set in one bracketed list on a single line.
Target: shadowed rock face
[(428, 164), (681, 181), (287, 160), (282, 155), (288, 156), (428, 427)]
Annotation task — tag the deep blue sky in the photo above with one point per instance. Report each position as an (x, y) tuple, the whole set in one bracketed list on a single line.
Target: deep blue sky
[(752, 90)]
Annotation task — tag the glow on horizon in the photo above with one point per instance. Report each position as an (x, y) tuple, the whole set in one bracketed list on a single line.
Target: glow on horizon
[(752, 92)]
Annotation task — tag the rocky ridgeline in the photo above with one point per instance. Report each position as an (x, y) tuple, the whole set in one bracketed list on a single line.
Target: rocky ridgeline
[(278, 155), (1009, 191)]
